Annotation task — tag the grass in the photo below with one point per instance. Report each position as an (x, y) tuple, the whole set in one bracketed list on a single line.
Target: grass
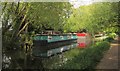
[(87, 58)]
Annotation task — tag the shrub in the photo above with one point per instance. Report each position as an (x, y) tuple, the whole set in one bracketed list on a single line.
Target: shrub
[(88, 58), (109, 39)]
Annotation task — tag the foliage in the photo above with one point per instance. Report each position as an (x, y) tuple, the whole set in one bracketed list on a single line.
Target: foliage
[(109, 39), (88, 58), (49, 15), (97, 17), (13, 22), (21, 20)]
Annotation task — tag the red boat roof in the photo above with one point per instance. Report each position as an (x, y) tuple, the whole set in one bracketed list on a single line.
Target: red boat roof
[(81, 34)]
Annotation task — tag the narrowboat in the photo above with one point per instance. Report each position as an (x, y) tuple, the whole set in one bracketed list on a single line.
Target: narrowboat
[(53, 41), (50, 44)]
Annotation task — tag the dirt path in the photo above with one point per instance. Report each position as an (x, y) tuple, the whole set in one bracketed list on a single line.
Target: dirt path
[(110, 59)]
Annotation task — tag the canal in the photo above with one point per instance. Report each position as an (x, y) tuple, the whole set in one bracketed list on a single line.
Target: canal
[(18, 59)]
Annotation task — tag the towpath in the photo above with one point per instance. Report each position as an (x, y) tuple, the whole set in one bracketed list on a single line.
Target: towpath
[(110, 59)]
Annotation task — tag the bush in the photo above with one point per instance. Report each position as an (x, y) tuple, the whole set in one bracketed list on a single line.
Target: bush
[(109, 39), (88, 58)]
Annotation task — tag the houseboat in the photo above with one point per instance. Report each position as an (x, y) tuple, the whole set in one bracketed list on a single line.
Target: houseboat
[(53, 43)]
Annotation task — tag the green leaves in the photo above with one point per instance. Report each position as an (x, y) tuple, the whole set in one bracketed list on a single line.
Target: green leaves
[(48, 15), (95, 17)]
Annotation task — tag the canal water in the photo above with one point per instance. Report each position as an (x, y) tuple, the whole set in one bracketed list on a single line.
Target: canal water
[(35, 59)]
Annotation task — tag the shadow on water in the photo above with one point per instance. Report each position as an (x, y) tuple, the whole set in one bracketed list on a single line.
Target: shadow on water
[(20, 60)]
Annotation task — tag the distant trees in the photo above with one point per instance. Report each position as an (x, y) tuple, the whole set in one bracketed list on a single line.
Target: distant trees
[(97, 17)]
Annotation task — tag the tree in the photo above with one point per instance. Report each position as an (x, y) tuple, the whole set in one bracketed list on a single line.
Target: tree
[(49, 15), (97, 17), (18, 19)]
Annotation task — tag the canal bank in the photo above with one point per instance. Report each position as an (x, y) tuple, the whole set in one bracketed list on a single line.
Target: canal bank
[(88, 58)]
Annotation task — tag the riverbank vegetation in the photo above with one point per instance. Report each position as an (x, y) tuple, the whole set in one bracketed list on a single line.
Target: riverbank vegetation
[(88, 58)]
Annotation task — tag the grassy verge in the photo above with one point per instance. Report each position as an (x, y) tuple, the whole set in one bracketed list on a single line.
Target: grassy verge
[(88, 58)]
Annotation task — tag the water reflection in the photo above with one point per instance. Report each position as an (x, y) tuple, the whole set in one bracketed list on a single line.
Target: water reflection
[(51, 59), (6, 61), (50, 52), (55, 61), (21, 60)]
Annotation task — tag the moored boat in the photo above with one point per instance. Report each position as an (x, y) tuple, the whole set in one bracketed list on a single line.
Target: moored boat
[(47, 41)]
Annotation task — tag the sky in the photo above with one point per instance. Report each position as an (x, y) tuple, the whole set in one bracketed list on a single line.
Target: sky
[(77, 3)]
